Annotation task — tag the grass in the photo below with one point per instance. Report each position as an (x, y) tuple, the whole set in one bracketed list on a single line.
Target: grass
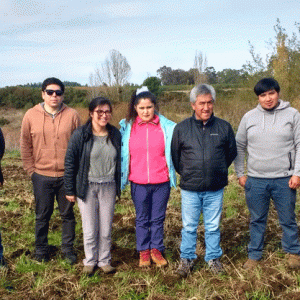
[(27, 279)]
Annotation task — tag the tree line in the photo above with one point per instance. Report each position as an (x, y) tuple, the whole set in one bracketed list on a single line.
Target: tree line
[(111, 79), (28, 96)]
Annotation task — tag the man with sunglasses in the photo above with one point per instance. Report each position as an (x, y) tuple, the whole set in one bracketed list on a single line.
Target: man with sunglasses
[(45, 133)]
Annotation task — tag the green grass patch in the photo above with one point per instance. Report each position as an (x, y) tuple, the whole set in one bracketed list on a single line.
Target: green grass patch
[(26, 265), (85, 280)]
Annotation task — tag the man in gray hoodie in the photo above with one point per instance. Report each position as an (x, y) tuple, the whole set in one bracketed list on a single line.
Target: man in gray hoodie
[(270, 135)]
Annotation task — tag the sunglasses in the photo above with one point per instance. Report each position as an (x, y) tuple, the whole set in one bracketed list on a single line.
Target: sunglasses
[(57, 92)]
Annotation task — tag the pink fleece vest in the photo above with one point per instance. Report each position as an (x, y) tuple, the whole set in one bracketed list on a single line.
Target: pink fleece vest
[(148, 163)]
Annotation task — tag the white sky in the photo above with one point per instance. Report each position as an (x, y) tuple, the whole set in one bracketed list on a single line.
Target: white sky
[(69, 39)]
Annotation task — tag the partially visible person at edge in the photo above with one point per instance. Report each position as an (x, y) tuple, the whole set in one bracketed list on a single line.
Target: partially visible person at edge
[(147, 164), (203, 148), (2, 149), (45, 133), (270, 136), (92, 178)]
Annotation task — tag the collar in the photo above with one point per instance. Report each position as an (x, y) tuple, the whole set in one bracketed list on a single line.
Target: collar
[(52, 115), (154, 121), (210, 120)]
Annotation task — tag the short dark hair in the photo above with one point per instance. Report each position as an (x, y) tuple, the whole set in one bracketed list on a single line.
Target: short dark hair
[(135, 99), (52, 80), (266, 84)]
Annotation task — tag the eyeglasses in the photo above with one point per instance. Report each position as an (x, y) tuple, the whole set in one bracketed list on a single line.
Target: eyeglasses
[(57, 92), (102, 112)]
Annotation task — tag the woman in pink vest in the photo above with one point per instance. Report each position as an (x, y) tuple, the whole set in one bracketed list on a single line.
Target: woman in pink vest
[(146, 162)]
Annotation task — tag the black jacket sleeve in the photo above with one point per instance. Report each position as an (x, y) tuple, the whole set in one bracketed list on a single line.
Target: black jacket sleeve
[(72, 163), (2, 148), (2, 144), (116, 141), (175, 149), (231, 151)]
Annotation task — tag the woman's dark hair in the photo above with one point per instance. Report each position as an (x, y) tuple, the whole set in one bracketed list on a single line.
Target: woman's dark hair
[(135, 99), (266, 84), (100, 101)]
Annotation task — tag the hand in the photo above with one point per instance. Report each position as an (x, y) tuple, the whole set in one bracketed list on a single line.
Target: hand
[(71, 198), (294, 182), (242, 181)]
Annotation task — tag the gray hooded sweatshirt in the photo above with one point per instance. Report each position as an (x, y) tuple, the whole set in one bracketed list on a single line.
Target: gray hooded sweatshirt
[(271, 140)]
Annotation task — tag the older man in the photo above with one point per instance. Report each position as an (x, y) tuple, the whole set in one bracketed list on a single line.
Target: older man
[(46, 130), (270, 135), (203, 147)]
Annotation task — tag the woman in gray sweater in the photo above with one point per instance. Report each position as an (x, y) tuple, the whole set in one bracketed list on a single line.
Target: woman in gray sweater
[(92, 178)]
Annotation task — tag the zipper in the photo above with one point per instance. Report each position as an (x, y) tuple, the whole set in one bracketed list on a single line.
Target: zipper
[(147, 142)]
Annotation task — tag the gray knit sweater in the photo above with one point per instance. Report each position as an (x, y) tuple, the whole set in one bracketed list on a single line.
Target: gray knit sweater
[(271, 140)]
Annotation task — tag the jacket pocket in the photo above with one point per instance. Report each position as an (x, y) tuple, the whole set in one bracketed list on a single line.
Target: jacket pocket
[(247, 186)]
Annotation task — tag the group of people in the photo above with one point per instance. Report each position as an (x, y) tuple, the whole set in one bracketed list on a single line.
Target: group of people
[(91, 164)]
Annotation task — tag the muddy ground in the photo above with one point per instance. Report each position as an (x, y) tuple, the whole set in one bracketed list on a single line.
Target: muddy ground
[(273, 278)]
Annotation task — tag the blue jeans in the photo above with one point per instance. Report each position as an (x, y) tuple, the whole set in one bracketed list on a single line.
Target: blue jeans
[(1, 248), (258, 193), (150, 201), (192, 204)]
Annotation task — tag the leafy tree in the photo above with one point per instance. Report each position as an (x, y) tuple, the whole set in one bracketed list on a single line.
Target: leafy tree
[(230, 76), (211, 75), (175, 77), (283, 63), (153, 83), (165, 74)]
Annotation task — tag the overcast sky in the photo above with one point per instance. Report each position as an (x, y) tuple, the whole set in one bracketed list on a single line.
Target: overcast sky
[(68, 39)]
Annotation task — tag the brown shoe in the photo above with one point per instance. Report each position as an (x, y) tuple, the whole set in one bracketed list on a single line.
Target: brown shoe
[(88, 270), (145, 258), (293, 261), (108, 269), (158, 258), (250, 264)]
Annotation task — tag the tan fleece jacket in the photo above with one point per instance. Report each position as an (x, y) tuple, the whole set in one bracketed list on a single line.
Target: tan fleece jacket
[(44, 140)]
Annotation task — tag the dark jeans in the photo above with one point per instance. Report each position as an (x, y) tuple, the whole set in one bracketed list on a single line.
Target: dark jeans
[(150, 201), (258, 192), (45, 190), (1, 248)]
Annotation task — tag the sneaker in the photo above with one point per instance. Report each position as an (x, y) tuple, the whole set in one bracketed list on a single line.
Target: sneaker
[(293, 261), (108, 269), (157, 257), (215, 266), (145, 258), (2, 262), (250, 264), (42, 257), (70, 257), (88, 270), (185, 267)]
